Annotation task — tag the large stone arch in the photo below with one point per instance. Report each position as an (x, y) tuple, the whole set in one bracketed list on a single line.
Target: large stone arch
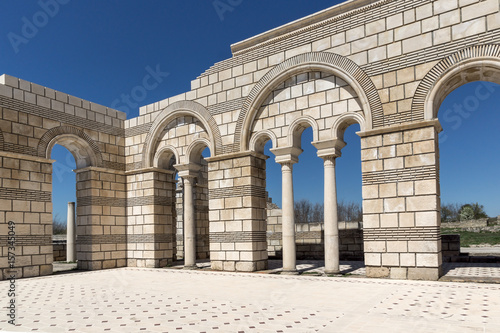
[(85, 151), (333, 63), (475, 63), (179, 109)]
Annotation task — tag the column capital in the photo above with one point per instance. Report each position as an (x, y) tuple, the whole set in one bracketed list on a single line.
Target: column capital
[(329, 148), (286, 154), (189, 170)]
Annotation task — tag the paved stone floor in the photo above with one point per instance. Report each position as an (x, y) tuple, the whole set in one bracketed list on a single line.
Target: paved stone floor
[(172, 300)]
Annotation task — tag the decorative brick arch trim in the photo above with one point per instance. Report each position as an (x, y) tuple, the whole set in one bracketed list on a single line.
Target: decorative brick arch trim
[(91, 154), (170, 113), (1, 140), (427, 85), (313, 61)]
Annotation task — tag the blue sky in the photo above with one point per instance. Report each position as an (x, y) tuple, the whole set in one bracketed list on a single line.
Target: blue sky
[(101, 49)]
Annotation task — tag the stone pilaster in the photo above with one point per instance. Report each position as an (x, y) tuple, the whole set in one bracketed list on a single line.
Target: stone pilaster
[(26, 200), (150, 229), (401, 201), (237, 203), (101, 218)]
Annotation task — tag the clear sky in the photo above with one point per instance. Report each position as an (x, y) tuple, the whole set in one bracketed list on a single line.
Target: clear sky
[(101, 49)]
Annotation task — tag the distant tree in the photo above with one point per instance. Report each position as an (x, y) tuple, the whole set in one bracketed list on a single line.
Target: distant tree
[(58, 226), (472, 211), (450, 212), (306, 212)]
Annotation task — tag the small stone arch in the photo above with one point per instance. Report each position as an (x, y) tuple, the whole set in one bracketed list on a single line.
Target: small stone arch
[(328, 62), (297, 127), (159, 162), (170, 113), (344, 121), (196, 148), (481, 62), (85, 151), (259, 139)]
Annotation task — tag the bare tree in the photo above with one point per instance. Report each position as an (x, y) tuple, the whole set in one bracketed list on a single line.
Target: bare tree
[(306, 212)]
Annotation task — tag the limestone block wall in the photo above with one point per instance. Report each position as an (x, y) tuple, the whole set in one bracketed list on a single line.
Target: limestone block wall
[(401, 202), (385, 65), (237, 201), (150, 218), (101, 235)]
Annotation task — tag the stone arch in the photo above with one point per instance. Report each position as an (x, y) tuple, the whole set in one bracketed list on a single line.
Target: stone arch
[(344, 121), (481, 62), (85, 151), (332, 63), (259, 139), (171, 112), (171, 151), (297, 127), (196, 148)]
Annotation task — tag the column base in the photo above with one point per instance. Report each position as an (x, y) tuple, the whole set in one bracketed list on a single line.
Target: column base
[(329, 272), (289, 272), (190, 267)]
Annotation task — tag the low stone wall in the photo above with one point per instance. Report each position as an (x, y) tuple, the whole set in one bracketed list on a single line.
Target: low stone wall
[(309, 238), (450, 245), (466, 224), (59, 247)]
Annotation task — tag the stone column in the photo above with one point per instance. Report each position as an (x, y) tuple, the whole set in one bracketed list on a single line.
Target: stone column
[(188, 172), (71, 234), (289, 255), (329, 150), (287, 156), (331, 218), (189, 224)]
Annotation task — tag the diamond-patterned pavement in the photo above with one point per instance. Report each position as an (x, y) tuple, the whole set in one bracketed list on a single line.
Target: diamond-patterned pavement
[(171, 300)]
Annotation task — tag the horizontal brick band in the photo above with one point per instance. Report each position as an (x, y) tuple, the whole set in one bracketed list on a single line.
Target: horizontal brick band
[(101, 201), (28, 240), (133, 166), (351, 233), (398, 175), (238, 237), (15, 148), (101, 239), (62, 117), (26, 195), (237, 191), (402, 234), (124, 202), (227, 106), (150, 238), (138, 130)]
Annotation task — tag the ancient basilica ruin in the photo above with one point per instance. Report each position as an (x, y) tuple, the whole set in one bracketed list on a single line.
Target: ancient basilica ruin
[(386, 65)]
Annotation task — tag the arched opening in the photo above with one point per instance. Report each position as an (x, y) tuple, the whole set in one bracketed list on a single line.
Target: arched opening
[(63, 192), (469, 159)]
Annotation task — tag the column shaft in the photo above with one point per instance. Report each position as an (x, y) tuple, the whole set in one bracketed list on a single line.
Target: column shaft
[(288, 220), (189, 225), (70, 233), (331, 219)]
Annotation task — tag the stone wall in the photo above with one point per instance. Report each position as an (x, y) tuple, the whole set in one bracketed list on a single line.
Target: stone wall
[(59, 248), (466, 224), (386, 65)]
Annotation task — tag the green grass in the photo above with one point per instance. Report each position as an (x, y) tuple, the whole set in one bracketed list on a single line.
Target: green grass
[(468, 238)]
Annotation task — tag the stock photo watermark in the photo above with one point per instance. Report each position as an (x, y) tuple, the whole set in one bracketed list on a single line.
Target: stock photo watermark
[(459, 112), (31, 26), (11, 272), (150, 81), (223, 6)]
